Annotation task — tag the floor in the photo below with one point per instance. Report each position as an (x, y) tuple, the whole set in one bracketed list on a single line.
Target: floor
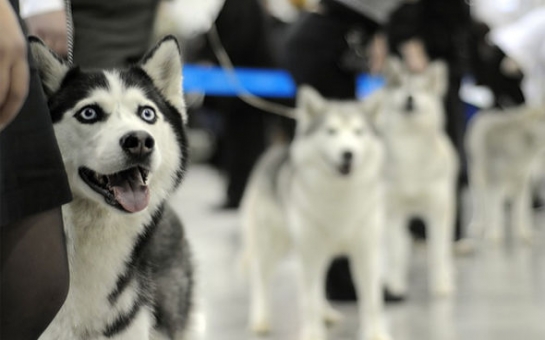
[(501, 288)]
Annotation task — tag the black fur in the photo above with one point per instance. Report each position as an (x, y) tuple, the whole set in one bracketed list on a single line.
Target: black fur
[(137, 77), (76, 85)]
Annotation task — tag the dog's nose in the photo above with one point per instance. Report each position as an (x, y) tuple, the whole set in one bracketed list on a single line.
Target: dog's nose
[(137, 143), (409, 105), (347, 156)]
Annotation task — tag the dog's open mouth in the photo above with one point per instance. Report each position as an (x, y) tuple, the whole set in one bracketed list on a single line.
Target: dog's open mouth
[(126, 190), (345, 168)]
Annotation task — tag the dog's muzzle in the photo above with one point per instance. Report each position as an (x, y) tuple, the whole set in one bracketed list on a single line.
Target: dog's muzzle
[(126, 190), (409, 104), (346, 164)]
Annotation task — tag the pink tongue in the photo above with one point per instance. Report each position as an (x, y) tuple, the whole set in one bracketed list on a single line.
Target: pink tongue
[(132, 193)]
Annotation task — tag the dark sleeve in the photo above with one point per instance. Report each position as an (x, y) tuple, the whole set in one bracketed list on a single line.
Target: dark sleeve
[(32, 175)]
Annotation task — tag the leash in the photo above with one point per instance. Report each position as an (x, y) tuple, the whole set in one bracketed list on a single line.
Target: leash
[(242, 93), (69, 31)]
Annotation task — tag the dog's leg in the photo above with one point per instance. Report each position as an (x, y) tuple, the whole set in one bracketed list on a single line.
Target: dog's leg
[(262, 266), (313, 266), (522, 212), (494, 228), (365, 259), (398, 240), (440, 220)]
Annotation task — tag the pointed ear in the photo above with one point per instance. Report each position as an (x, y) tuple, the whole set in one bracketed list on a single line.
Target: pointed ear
[(372, 106), (309, 100), (393, 72), (437, 76), (51, 68), (163, 64)]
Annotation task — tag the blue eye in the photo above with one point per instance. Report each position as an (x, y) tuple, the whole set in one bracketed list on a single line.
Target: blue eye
[(87, 114), (148, 114)]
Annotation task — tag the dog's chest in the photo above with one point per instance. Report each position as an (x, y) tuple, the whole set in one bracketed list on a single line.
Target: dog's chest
[(99, 256), (413, 161), (336, 201)]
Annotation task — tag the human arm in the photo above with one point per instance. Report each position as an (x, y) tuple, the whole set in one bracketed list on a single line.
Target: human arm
[(14, 73)]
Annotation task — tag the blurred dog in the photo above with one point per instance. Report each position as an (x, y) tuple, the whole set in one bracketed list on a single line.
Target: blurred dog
[(421, 172), (505, 150), (122, 138), (322, 196)]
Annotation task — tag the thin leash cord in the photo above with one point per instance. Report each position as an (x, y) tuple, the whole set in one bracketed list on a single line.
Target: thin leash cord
[(243, 94), (69, 31)]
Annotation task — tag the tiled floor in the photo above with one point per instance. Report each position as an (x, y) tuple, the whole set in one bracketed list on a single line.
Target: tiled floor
[(501, 289)]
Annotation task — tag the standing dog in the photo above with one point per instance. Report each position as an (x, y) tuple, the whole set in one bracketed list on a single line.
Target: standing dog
[(421, 172), (122, 138), (504, 149), (322, 196)]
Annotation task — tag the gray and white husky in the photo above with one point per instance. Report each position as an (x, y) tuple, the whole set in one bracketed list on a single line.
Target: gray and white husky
[(504, 150), (421, 172), (321, 196), (122, 138)]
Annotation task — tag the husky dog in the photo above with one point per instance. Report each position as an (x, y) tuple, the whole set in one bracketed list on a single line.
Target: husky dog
[(421, 172), (121, 135), (322, 196), (504, 149)]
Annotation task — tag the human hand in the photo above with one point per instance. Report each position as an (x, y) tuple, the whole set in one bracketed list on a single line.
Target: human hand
[(51, 28), (14, 73)]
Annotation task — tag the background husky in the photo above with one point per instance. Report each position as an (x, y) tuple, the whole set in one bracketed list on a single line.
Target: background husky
[(504, 149), (421, 172), (121, 135), (322, 197)]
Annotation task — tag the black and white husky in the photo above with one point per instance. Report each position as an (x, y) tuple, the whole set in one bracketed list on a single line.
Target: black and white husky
[(322, 196), (121, 135)]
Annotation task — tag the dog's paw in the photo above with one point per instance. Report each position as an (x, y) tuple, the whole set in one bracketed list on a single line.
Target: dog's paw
[(443, 289), (526, 236), (332, 316), (317, 333), (260, 327), (464, 247), (495, 237), (376, 336)]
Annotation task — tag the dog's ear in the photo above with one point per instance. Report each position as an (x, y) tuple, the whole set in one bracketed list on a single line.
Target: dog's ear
[(437, 77), (163, 64), (50, 67), (394, 72), (309, 101), (372, 106)]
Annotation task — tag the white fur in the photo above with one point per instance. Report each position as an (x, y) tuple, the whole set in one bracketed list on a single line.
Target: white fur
[(421, 174), (319, 213), (504, 151), (100, 238)]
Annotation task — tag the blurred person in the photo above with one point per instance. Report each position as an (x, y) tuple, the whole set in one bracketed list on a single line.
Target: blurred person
[(420, 31), (523, 41), (487, 63), (107, 34), (33, 186), (497, 13), (326, 48), (242, 26)]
